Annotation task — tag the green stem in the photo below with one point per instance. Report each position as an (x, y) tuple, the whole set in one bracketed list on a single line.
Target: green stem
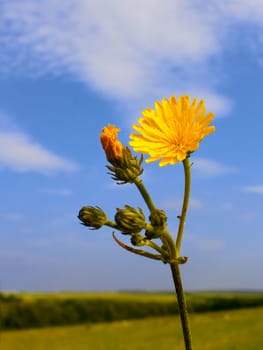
[(111, 224), (187, 187), (147, 198), (168, 241), (166, 238), (155, 246), (181, 305)]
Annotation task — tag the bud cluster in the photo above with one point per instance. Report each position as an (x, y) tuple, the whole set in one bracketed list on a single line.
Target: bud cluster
[(128, 220)]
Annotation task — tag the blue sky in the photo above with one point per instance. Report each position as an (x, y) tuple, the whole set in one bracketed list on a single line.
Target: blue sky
[(67, 68)]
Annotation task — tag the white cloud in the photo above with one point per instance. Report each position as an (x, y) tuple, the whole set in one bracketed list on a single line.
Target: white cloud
[(227, 206), (130, 50), (19, 153), (63, 192), (249, 216), (12, 216), (127, 49), (195, 204), (7, 123), (202, 242), (210, 167), (211, 244), (254, 189), (220, 105), (177, 204), (243, 10)]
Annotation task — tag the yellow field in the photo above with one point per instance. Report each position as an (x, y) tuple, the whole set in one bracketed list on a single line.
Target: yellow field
[(224, 330), (138, 296)]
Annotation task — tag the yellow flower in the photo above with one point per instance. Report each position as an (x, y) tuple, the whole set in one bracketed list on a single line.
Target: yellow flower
[(172, 130), (110, 143)]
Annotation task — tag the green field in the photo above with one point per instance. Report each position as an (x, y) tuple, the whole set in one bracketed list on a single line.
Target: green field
[(27, 311), (225, 330)]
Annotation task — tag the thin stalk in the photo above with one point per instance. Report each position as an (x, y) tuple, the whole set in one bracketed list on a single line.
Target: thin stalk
[(155, 246), (166, 238), (168, 241), (111, 224), (182, 305), (147, 198), (187, 188)]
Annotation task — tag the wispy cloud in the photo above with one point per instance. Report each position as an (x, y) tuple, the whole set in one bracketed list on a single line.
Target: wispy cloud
[(18, 152), (177, 204), (249, 216), (249, 11), (208, 167), (124, 49), (63, 192), (205, 243), (132, 50), (254, 189), (227, 206), (195, 204), (14, 217)]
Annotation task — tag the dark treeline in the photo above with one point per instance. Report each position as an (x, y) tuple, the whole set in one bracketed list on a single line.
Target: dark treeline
[(19, 313)]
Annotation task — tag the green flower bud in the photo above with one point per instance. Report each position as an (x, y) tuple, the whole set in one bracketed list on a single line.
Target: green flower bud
[(137, 240), (158, 218), (130, 220), (127, 168), (93, 217)]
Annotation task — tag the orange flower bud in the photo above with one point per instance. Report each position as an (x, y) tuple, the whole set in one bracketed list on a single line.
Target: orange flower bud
[(110, 143)]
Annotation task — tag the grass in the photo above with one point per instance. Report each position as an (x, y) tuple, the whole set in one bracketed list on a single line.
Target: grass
[(228, 330)]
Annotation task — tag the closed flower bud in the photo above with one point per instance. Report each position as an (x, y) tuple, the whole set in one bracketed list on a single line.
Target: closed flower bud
[(137, 240), (130, 220), (158, 218), (93, 217), (110, 143), (124, 166), (127, 168)]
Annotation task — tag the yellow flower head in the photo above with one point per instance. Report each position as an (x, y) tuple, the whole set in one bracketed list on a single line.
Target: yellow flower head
[(110, 143), (172, 130)]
